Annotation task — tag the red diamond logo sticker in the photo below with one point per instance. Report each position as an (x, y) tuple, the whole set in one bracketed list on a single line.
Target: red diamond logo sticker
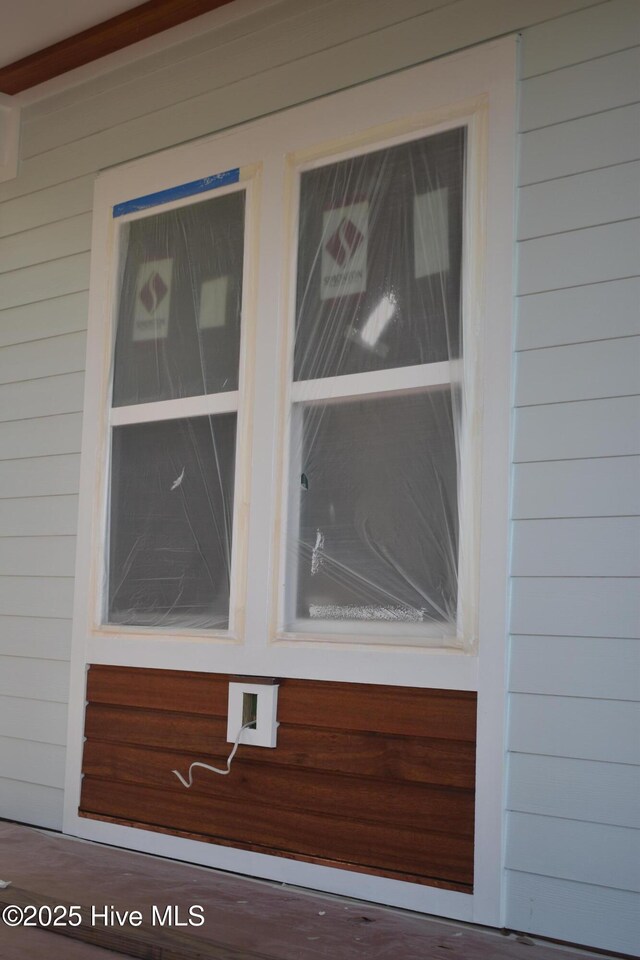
[(344, 242), (153, 292)]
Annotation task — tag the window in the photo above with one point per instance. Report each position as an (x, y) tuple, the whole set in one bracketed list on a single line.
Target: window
[(174, 414), (370, 525), (375, 400)]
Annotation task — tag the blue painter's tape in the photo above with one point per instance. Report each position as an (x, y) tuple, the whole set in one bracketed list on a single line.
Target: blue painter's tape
[(177, 193)]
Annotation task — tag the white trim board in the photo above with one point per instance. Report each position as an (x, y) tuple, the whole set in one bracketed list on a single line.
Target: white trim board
[(9, 136)]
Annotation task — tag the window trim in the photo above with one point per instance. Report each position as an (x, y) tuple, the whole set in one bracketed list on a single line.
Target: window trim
[(486, 72), (461, 637)]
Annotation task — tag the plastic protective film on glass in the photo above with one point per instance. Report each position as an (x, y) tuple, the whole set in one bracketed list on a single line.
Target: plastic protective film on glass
[(372, 544), (172, 480)]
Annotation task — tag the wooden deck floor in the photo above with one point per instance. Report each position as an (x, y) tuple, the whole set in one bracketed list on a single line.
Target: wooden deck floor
[(244, 918)]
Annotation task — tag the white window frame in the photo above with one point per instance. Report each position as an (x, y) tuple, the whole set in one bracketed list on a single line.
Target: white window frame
[(477, 84), (205, 404), (398, 381)]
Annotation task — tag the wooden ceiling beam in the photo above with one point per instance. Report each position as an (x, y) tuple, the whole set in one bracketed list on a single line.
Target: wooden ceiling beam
[(129, 27)]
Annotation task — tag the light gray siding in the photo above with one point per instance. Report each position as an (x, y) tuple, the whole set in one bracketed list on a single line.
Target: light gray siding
[(43, 262), (576, 488), (587, 790), (573, 857), (575, 606)]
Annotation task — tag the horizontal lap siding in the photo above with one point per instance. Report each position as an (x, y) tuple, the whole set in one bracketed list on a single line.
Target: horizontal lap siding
[(40, 556), (578, 257), (27, 362), (38, 637), (32, 761), (41, 436), (577, 430), (44, 281), (33, 725), (575, 606), (574, 315), (580, 371), (38, 516), (61, 393), (586, 143), (574, 774), (43, 262), (579, 850), (47, 318), (67, 199), (578, 727), (600, 83), (380, 778), (37, 477), (587, 547), (588, 790), (599, 30), (34, 678), (577, 488), (32, 803), (598, 667), (46, 724), (579, 201), (65, 237), (603, 915)]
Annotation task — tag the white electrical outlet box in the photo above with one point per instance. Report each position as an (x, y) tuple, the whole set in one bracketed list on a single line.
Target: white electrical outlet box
[(256, 702)]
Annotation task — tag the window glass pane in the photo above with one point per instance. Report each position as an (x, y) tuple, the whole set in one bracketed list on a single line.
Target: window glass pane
[(378, 512), (171, 520), (379, 256), (178, 331)]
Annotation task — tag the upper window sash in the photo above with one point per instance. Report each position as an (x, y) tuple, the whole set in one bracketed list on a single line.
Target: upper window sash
[(179, 295)]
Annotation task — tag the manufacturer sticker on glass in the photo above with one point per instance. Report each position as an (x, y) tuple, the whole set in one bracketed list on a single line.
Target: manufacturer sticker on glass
[(345, 232), (213, 303), (153, 299), (431, 232)]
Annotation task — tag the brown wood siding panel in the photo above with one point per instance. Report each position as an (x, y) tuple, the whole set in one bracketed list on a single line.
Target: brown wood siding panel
[(205, 693), (415, 805), (396, 710), (447, 714), (336, 838), (374, 778), (427, 760), (285, 854)]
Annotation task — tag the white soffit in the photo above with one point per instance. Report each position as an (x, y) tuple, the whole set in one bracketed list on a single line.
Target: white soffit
[(236, 10), (32, 25)]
